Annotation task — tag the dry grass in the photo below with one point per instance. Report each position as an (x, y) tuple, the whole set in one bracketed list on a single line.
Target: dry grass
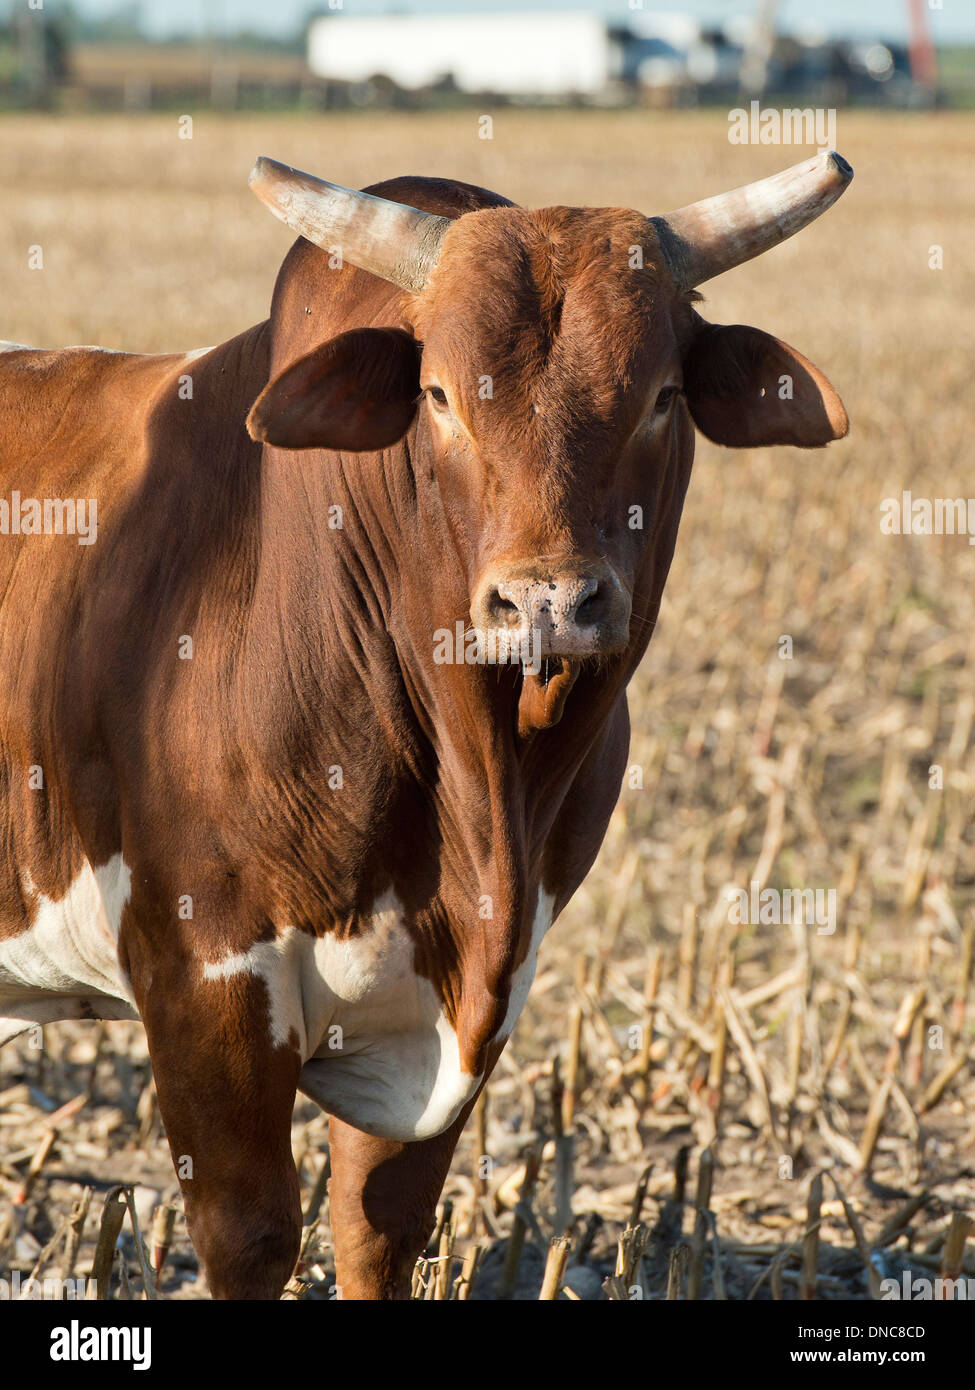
[(811, 772)]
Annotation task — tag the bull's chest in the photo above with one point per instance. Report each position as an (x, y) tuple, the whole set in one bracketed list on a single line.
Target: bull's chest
[(377, 1045)]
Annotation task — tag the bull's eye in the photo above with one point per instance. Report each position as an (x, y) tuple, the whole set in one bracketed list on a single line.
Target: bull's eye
[(438, 395), (666, 399)]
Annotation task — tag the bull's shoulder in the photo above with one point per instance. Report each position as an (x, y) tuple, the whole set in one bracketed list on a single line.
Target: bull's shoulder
[(445, 197)]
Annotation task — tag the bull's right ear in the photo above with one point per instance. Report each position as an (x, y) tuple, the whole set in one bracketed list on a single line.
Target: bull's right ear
[(356, 392)]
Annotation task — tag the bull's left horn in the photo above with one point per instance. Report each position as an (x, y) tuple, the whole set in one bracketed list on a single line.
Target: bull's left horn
[(398, 243), (707, 238)]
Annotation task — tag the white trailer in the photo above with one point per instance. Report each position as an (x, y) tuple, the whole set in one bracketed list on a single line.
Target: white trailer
[(529, 55)]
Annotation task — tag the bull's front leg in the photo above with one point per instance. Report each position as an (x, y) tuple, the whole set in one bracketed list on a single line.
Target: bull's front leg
[(226, 1094), (383, 1201)]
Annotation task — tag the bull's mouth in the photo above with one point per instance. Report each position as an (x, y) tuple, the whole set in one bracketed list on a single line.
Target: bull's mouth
[(544, 693)]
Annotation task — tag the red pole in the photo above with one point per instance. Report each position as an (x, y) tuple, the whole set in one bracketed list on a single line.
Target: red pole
[(924, 61)]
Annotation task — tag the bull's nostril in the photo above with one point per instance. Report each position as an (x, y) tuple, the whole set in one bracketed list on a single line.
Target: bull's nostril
[(589, 609), (502, 612)]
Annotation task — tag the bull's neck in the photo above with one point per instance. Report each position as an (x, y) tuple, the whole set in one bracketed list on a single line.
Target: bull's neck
[(358, 583)]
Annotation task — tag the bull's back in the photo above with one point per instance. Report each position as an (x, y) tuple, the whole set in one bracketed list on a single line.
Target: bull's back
[(73, 417)]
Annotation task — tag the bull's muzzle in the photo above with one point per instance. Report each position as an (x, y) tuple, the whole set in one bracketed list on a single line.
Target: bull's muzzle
[(575, 612)]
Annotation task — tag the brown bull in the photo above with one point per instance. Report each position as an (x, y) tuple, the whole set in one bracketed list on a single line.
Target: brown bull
[(300, 758)]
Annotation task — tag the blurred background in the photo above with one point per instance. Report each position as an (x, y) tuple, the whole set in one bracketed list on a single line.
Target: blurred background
[(245, 55), (803, 718)]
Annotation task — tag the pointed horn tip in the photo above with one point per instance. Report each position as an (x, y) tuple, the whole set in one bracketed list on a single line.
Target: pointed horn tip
[(839, 165), (265, 170)]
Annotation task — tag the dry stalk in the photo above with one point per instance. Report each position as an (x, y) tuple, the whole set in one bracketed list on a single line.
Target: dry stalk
[(863, 1249), (161, 1237), (113, 1214), (901, 1219), (719, 1056), (940, 1083), (142, 1254), (317, 1195), (573, 1068), (639, 1196), (953, 1254), (468, 1269), (519, 1226), (874, 1121), (40, 1157), (641, 1084), (705, 1179), (835, 1045), (749, 1058), (676, 1266), (564, 1152), (964, 977), (79, 1215), (810, 1239), (687, 958), (558, 1253), (445, 1260)]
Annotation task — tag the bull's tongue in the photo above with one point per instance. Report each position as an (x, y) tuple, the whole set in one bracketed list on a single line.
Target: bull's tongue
[(543, 695)]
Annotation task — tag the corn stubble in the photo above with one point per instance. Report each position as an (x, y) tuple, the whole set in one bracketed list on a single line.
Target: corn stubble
[(691, 1108)]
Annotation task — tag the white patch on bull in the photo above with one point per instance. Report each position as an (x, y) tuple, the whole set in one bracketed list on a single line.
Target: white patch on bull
[(17, 1018), (14, 347), (377, 1048), (65, 964), (521, 980)]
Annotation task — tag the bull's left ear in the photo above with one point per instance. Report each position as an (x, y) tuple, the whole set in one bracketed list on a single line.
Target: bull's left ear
[(357, 392), (746, 389)]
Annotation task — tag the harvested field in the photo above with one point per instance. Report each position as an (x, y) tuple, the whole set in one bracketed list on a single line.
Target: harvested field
[(803, 720)]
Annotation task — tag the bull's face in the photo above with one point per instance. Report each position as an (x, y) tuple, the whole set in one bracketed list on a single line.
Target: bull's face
[(551, 379), (553, 366)]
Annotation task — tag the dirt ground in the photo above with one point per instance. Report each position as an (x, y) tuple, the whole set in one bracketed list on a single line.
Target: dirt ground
[(803, 719)]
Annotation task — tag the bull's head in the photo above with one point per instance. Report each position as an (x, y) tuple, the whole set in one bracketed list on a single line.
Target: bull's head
[(557, 363)]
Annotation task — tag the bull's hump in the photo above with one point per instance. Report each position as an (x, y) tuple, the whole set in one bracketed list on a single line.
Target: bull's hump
[(444, 197)]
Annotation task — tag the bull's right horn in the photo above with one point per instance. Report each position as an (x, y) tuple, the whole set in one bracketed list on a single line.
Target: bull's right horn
[(398, 243), (704, 239)]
